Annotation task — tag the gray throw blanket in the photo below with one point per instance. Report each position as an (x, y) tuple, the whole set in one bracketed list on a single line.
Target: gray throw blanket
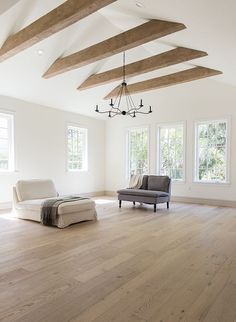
[(50, 206)]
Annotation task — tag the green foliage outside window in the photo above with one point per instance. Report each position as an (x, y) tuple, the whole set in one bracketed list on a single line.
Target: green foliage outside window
[(171, 150), (138, 151), (76, 144), (212, 151)]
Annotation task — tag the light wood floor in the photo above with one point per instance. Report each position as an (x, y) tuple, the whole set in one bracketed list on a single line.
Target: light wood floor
[(132, 265)]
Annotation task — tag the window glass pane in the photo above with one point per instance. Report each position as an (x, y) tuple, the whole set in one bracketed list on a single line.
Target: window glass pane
[(3, 133), (3, 164), (6, 143), (211, 151), (77, 148), (171, 151), (3, 122), (138, 151)]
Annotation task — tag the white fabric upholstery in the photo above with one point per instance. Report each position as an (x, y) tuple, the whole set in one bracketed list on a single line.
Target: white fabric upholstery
[(35, 189), (62, 220), (64, 208)]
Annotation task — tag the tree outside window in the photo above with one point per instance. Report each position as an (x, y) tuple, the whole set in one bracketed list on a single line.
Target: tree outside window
[(211, 151), (138, 147), (6, 142), (76, 148), (171, 151)]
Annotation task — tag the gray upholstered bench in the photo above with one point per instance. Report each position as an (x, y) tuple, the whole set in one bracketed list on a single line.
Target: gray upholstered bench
[(154, 190)]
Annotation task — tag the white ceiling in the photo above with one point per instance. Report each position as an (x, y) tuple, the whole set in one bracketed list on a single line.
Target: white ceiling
[(211, 27)]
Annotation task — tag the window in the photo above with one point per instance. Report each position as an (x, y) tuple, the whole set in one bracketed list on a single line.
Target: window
[(138, 151), (6, 142), (77, 148), (211, 140), (171, 151)]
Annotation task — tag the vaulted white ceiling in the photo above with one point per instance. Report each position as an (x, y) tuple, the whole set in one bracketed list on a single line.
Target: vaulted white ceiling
[(211, 27)]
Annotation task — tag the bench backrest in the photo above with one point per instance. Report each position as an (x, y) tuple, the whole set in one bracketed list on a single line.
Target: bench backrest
[(156, 183), (35, 189)]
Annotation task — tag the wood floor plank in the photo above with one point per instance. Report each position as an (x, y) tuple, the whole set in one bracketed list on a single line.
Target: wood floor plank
[(132, 265)]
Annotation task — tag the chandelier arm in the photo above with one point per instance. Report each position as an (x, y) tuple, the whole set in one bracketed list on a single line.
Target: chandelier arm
[(127, 99), (130, 97), (120, 95), (103, 112), (143, 112), (115, 112), (131, 102), (136, 108), (115, 115)]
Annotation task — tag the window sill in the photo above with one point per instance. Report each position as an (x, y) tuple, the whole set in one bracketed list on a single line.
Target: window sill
[(73, 171), (8, 171), (178, 181), (217, 183)]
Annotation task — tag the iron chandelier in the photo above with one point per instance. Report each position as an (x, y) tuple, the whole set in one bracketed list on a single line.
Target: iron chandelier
[(116, 106)]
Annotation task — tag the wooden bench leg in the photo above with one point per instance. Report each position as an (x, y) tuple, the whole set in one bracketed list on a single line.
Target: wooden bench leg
[(155, 207), (168, 205), (119, 203), (134, 203)]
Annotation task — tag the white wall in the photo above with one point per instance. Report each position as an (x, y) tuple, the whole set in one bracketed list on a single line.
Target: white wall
[(40, 146), (188, 102), (40, 141)]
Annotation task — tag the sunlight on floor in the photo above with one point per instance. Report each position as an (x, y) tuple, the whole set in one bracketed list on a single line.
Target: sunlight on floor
[(104, 201), (11, 215)]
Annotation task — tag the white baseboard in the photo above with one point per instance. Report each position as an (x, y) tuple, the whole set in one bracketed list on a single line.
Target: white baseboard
[(193, 200), (111, 193), (5, 205), (204, 201), (92, 194)]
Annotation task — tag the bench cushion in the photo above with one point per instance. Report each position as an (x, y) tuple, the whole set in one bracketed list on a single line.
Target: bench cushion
[(64, 208), (143, 193)]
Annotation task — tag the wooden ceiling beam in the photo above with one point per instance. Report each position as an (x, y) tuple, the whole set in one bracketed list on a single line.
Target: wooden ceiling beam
[(171, 57), (167, 80), (61, 17), (137, 36)]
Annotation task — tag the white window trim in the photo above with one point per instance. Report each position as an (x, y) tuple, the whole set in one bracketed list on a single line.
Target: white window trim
[(127, 159), (226, 119), (171, 124), (82, 127), (11, 116)]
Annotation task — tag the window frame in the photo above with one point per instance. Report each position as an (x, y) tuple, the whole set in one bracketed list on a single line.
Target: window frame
[(85, 129), (11, 133), (196, 179), (127, 147), (158, 154)]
